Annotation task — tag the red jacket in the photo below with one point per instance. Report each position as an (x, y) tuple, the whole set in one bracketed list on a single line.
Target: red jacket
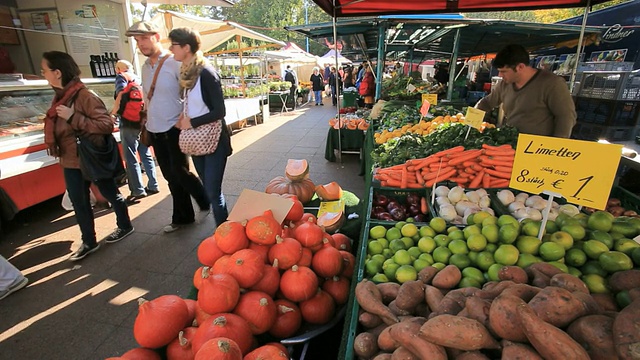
[(368, 85)]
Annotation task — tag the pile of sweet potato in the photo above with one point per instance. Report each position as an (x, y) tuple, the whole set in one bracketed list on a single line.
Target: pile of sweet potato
[(535, 313)]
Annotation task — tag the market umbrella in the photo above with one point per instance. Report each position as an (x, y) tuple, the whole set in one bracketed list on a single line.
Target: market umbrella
[(331, 58)]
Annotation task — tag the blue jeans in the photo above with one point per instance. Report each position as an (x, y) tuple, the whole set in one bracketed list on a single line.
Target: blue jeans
[(210, 169), (334, 99), (131, 145), (182, 183), (78, 189), (318, 95)]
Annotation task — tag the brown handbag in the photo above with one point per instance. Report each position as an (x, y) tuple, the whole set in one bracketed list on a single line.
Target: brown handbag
[(145, 138)]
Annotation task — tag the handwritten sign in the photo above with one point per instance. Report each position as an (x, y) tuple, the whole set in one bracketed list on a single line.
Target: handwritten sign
[(474, 117), (411, 88), (431, 98), (424, 109), (581, 171), (331, 207)]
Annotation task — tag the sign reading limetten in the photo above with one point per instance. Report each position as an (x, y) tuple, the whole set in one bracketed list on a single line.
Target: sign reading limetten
[(581, 171)]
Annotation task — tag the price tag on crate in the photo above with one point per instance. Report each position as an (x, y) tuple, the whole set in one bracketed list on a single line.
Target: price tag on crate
[(331, 207), (580, 171), (431, 98)]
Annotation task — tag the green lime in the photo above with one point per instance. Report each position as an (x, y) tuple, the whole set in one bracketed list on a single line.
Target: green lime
[(420, 264), (379, 278), (528, 244), (473, 273), (400, 224), (387, 253), (562, 238), (506, 254), (374, 247), (560, 266), (466, 282), (623, 299), (625, 245), (458, 247), (441, 254), (460, 260), (471, 230), (596, 284), (490, 232), (438, 224), (406, 273), (582, 218), (439, 265), (525, 260), (574, 271), (372, 267), (484, 260), (426, 257), (427, 231), (480, 216), (389, 270), (508, 233), (473, 255), (477, 242), (426, 244), (531, 228), (377, 232), (491, 248), (550, 251), (409, 230), (379, 258), (508, 219), (601, 236), (576, 231), (384, 242), (635, 256), (593, 267), (575, 257), (492, 272), (442, 240), (408, 242), (402, 257), (551, 227), (470, 219), (451, 229), (491, 220), (600, 220), (397, 244), (613, 261), (457, 234), (410, 220), (414, 251), (594, 248), (393, 233)]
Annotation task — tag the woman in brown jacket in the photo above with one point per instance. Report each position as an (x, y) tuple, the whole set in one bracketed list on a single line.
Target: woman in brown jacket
[(76, 109)]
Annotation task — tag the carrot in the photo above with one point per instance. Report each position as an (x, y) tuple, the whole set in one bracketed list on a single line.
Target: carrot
[(453, 150), (503, 168), (469, 170), (423, 205), (393, 183), (509, 152), (441, 177), (477, 180), (469, 163), (459, 180), (464, 175), (498, 174), (395, 167), (491, 162), (486, 180), (502, 158), (413, 185), (432, 174), (419, 178), (493, 147), (477, 167), (498, 183), (459, 158), (403, 180), (425, 162)]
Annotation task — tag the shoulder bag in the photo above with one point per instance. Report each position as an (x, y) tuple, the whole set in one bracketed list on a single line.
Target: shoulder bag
[(144, 134), (201, 140), (99, 162)]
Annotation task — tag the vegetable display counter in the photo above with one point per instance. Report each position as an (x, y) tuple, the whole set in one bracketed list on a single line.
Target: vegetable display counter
[(352, 140)]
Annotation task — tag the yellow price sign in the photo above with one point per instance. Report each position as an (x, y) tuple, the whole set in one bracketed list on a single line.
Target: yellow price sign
[(331, 207), (581, 171), (431, 98), (474, 117)]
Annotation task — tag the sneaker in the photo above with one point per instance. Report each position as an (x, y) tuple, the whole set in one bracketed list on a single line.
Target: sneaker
[(321, 104), (172, 227), (17, 285), (134, 199), (118, 235), (151, 191), (83, 252)]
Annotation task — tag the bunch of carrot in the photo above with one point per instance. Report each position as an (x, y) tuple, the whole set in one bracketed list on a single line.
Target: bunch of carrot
[(489, 167)]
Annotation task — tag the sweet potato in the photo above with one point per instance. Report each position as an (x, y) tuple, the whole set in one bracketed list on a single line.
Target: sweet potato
[(606, 301), (410, 294), (426, 275), (377, 330), (447, 278), (389, 291), (523, 291), (539, 279), (406, 334), (477, 309), (402, 353), (544, 268), (549, 341), (422, 310), (472, 355), (513, 273), (452, 303), (370, 299), (569, 282), (595, 334), (368, 320), (516, 351), (492, 289), (634, 294), (624, 280), (503, 318), (557, 306), (393, 306), (386, 342), (626, 332), (382, 356), (591, 306), (434, 296), (365, 345), (457, 332)]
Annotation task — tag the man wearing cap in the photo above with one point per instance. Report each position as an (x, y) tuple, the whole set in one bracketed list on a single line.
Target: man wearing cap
[(163, 111)]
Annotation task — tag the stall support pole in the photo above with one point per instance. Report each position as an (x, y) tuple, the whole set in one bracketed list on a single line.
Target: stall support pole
[(382, 30), (579, 47), (244, 87), (335, 42), (452, 64)]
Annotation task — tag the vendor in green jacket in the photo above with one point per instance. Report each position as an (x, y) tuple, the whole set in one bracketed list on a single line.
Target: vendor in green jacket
[(534, 101)]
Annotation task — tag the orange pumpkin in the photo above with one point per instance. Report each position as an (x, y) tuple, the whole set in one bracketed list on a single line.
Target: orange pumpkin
[(342, 241), (288, 251), (303, 189), (298, 283), (231, 236), (297, 169), (138, 354), (309, 234), (267, 352), (220, 348), (329, 192), (224, 325), (258, 309), (270, 281), (305, 259), (263, 229), (208, 251), (338, 288), (218, 293), (288, 319), (348, 265), (160, 320), (331, 221), (246, 267), (319, 309), (191, 305), (327, 262), (180, 347)]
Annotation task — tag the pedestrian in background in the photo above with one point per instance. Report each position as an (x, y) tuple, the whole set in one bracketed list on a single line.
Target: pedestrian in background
[(11, 279), (130, 139), (317, 83), (163, 112), (77, 110), (204, 104)]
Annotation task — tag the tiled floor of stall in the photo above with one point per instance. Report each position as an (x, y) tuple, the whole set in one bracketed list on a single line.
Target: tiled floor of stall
[(86, 310)]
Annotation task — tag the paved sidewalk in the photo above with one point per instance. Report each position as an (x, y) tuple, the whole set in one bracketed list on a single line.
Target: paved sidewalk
[(86, 310)]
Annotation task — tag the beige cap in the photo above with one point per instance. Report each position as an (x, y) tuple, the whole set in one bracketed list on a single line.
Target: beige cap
[(142, 28)]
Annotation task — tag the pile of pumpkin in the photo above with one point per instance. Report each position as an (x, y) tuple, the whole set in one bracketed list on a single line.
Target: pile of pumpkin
[(349, 123), (258, 277)]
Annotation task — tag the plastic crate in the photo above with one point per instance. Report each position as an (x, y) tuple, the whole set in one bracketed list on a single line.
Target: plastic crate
[(607, 112), (435, 208), (628, 200), (349, 99), (398, 194), (610, 85), (586, 131)]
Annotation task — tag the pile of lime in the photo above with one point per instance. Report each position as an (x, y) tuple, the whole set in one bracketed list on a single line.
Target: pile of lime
[(591, 247)]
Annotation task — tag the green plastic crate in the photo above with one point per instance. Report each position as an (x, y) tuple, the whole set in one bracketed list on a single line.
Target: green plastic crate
[(628, 200), (400, 195)]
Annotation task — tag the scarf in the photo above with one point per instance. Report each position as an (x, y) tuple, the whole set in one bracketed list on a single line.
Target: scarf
[(190, 71), (62, 97)]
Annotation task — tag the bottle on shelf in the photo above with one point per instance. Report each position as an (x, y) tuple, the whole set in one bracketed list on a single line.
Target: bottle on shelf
[(93, 65), (103, 66), (110, 65)]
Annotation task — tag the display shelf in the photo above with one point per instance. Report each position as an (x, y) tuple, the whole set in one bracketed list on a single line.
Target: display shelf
[(585, 131), (607, 112), (611, 85)]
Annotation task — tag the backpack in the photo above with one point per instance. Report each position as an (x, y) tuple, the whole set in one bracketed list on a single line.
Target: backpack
[(131, 102), (289, 77)]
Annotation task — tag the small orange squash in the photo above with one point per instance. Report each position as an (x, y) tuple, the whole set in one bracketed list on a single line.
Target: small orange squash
[(267, 352), (220, 349), (247, 267), (258, 309), (319, 309), (263, 229), (218, 293), (331, 221), (329, 192), (297, 169), (288, 319), (230, 237), (270, 281), (208, 251), (138, 354), (298, 283), (180, 347), (160, 320)]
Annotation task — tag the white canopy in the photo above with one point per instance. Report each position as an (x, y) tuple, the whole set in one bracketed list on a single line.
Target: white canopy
[(224, 3), (212, 32), (291, 53)]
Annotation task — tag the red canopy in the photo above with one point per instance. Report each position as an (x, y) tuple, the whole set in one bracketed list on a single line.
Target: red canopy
[(346, 8)]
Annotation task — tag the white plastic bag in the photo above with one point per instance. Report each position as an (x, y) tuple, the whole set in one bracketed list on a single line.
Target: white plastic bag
[(66, 200)]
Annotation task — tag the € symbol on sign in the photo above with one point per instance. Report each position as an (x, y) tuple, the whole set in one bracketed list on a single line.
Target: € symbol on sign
[(556, 184)]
